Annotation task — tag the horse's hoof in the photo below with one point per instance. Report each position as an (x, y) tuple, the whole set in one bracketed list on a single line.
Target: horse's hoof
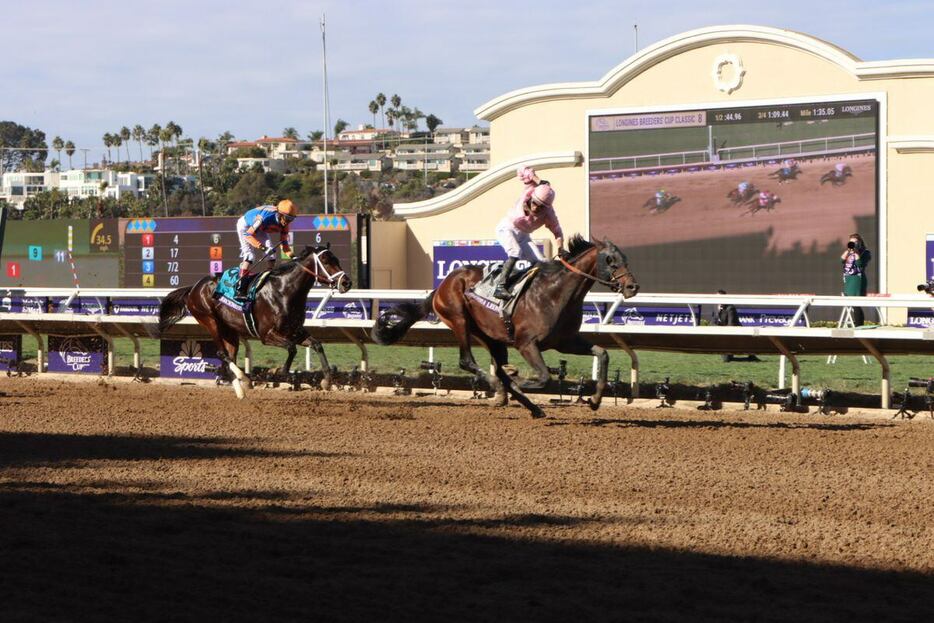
[(326, 384), (500, 400), (537, 413), (594, 405)]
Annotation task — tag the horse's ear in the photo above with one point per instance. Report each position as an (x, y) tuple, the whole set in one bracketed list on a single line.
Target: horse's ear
[(327, 245)]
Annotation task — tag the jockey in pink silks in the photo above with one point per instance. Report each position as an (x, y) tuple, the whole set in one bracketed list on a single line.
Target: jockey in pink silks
[(533, 209)]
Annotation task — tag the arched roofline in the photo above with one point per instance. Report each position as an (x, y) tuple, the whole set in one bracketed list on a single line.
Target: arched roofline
[(647, 58), (471, 189)]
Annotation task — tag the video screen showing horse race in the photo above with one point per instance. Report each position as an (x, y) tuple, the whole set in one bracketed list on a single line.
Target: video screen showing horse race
[(752, 200)]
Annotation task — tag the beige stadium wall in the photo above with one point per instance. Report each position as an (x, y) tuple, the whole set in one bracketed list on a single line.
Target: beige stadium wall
[(679, 73)]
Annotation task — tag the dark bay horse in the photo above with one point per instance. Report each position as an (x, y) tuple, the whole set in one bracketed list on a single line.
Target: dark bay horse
[(279, 310), (548, 316)]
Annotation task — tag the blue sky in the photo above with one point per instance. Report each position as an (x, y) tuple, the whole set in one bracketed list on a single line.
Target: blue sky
[(80, 69)]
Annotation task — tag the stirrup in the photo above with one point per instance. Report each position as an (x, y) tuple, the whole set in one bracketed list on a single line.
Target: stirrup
[(502, 293)]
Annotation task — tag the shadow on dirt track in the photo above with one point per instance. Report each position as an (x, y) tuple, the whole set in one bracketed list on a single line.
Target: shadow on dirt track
[(112, 554)]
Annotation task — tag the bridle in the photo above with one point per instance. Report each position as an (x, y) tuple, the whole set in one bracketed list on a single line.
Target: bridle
[(333, 279), (612, 283)]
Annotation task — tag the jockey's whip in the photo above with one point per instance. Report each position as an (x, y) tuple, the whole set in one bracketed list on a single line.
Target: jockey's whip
[(254, 263)]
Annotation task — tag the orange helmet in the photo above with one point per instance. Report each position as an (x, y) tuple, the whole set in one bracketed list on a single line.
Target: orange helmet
[(287, 207)]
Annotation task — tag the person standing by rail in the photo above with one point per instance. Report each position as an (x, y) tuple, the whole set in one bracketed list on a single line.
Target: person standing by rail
[(855, 257)]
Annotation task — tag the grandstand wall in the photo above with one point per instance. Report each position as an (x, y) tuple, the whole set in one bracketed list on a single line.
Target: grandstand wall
[(534, 122)]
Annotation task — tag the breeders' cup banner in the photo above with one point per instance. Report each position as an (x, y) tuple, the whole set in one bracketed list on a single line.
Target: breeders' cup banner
[(76, 355), (188, 359), (452, 254), (347, 310), (11, 351)]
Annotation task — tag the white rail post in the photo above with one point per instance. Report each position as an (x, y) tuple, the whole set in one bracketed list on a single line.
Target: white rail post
[(795, 368), (886, 371), (136, 347), (40, 346), (633, 365), (247, 357)]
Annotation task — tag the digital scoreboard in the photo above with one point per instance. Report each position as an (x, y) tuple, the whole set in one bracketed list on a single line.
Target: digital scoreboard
[(174, 252)]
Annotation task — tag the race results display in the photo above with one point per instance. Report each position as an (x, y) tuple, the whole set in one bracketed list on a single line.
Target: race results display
[(173, 252)]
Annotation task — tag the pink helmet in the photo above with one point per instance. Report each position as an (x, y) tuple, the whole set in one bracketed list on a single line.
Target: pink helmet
[(544, 194)]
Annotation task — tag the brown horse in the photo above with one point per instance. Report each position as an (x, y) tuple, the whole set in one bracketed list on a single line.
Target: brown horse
[(279, 310), (548, 316)]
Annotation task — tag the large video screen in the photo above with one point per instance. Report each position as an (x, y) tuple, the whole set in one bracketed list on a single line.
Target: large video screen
[(756, 199)]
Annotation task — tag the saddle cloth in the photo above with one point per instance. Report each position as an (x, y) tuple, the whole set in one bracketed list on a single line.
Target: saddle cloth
[(482, 292), (226, 291)]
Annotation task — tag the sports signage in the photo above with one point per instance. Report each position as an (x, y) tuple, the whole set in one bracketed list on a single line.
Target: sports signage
[(188, 359)]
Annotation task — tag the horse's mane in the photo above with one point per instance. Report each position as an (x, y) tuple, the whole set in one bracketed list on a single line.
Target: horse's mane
[(577, 246), (289, 266)]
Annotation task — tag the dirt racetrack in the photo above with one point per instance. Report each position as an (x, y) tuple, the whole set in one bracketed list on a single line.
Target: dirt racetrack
[(151, 503)]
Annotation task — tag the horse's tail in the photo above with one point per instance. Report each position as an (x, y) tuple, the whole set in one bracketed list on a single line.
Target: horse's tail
[(173, 308), (393, 323)]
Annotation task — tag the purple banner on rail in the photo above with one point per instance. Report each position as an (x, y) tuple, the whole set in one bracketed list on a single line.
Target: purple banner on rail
[(134, 307), (13, 304), (929, 257), (655, 316), (348, 310), (771, 317), (188, 359), (11, 351), (76, 355)]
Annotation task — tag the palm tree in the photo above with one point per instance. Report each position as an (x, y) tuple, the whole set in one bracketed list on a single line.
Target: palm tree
[(290, 132), (175, 132), (165, 135), (152, 137), (57, 145), (70, 151), (117, 141), (432, 122), (139, 133), (125, 137), (374, 108), (381, 101), (391, 117), (108, 143), (315, 135), (396, 101), (339, 127)]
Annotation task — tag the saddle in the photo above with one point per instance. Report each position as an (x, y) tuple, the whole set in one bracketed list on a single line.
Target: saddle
[(517, 284), (226, 293)]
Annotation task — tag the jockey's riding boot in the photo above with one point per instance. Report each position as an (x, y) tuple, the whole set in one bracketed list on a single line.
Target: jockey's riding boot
[(501, 292), (242, 288)]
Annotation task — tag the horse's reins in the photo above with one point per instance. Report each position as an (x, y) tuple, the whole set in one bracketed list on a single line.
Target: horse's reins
[(332, 279), (614, 278)]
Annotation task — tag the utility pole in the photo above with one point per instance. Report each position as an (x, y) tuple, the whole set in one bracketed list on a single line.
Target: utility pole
[(635, 34), (327, 122)]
